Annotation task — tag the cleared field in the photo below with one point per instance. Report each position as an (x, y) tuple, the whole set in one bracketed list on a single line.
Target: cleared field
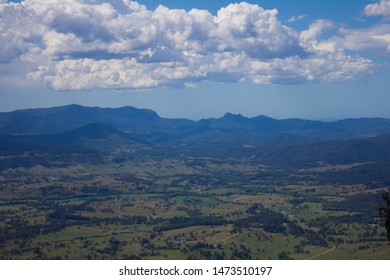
[(186, 209)]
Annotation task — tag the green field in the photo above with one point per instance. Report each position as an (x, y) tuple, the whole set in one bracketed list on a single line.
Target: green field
[(188, 208)]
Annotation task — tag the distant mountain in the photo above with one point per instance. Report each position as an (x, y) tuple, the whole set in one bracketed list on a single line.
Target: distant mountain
[(146, 125), (140, 122), (80, 145), (263, 124), (329, 152), (129, 131), (90, 131), (343, 129), (98, 136)]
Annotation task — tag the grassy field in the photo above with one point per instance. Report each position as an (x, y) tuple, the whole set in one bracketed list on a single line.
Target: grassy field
[(186, 209)]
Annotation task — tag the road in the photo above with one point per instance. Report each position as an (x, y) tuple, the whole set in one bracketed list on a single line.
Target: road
[(323, 253), (231, 236)]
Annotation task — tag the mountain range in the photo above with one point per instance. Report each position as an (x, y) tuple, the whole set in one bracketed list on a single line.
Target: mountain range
[(291, 141), (146, 124)]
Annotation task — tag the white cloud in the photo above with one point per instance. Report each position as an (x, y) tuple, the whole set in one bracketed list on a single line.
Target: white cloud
[(85, 44), (296, 18), (378, 9), (20, 33), (312, 43), (375, 38), (315, 29)]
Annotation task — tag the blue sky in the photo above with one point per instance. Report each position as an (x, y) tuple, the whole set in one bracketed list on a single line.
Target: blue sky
[(309, 59)]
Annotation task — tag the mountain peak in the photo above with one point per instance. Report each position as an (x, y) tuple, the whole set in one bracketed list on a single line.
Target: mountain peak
[(263, 117), (231, 116)]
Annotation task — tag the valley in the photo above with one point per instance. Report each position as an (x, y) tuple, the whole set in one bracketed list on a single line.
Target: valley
[(166, 191)]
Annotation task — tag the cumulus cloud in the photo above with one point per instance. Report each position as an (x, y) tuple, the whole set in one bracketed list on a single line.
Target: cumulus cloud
[(378, 9), (86, 44), (20, 32)]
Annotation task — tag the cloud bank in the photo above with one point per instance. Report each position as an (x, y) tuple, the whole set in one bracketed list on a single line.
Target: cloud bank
[(88, 44)]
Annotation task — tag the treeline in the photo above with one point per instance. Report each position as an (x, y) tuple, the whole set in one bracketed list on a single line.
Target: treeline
[(373, 175), (22, 154), (269, 220), (363, 203), (20, 230), (183, 222)]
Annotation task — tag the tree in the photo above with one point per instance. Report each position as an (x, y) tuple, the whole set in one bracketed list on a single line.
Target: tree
[(384, 213)]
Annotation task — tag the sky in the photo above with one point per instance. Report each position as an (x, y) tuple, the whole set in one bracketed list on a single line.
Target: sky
[(311, 59)]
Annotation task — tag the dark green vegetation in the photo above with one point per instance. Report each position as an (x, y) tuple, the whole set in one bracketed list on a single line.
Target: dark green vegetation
[(384, 213), (74, 187)]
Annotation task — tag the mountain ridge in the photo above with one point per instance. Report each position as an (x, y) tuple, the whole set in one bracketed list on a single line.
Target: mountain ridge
[(292, 142), (147, 125)]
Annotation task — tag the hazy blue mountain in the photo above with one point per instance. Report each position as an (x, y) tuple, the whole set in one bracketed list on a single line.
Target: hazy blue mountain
[(349, 128), (330, 152), (59, 119), (147, 125), (92, 131), (292, 142), (98, 136)]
